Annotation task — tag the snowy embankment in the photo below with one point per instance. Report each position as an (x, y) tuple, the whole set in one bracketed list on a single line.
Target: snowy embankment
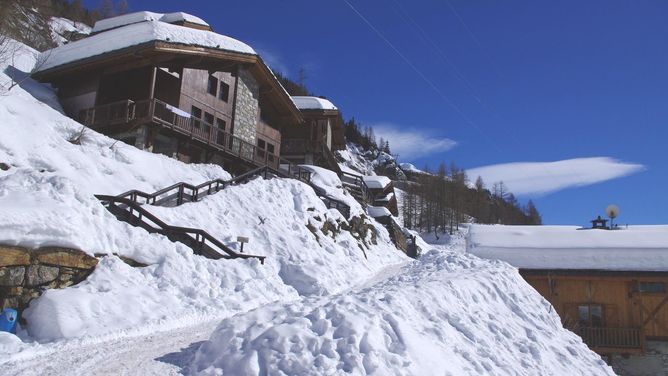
[(449, 313), (47, 198), (569, 247)]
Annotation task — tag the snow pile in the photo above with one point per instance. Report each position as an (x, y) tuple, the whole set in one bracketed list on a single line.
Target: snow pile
[(135, 34), (313, 103), (136, 17), (409, 167), (330, 184), (63, 28), (448, 313), (47, 198), (358, 161), (377, 182), (639, 248)]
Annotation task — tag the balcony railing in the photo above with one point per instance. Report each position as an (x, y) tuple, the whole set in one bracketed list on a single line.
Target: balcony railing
[(612, 338), (159, 112)]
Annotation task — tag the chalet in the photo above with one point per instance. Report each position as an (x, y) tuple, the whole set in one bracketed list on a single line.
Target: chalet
[(610, 287), (322, 134), (168, 84)]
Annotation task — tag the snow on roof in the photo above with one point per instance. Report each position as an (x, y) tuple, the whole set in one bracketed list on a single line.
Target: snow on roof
[(132, 18), (377, 182), (636, 248), (313, 103), (136, 34), (378, 211)]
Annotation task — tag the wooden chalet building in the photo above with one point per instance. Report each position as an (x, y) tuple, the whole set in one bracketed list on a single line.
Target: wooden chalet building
[(322, 134), (168, 84), (608, 286)]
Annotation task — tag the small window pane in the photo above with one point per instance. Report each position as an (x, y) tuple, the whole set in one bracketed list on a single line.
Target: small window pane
[(652, 287), (583, 315), (224, 93), (221, 124), (208, 118), (270, 148), (196, 112), (212, 86), (261, 144), (596, 315)]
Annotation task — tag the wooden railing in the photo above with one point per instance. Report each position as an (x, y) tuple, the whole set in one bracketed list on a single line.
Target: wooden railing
[(358, 182), (604, 337), (165, 115), (200, 241)]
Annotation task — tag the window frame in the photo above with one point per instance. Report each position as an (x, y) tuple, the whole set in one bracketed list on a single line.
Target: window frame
[(590, 319), (212, 85), (224, 91)]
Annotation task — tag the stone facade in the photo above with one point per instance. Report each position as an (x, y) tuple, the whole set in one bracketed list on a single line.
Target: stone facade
[(26, 273), (247, 107)]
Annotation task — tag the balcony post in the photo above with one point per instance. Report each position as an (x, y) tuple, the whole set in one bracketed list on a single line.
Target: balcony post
[(154, 71)]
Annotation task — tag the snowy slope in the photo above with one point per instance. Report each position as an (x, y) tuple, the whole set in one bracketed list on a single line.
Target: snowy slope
[(449, 313), (47, 199)]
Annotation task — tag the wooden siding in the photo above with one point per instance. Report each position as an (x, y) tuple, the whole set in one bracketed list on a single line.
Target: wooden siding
[(623, 304)]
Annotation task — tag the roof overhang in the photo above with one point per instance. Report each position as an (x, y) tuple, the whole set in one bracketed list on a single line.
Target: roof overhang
[(169, 54)]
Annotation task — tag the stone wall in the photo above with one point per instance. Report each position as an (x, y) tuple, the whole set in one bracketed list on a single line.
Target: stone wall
[(26, 273), (247, 110)]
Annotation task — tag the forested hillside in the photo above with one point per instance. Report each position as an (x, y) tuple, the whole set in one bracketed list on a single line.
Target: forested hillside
[(433, 200)]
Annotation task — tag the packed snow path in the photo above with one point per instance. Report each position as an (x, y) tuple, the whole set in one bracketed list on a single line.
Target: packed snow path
[(166, 352)]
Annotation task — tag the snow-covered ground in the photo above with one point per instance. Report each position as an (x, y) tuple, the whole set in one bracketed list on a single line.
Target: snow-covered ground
[(323, 303), (640, 248)]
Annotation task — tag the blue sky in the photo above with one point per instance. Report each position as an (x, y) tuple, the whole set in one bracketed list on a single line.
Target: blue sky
[(483, 83)]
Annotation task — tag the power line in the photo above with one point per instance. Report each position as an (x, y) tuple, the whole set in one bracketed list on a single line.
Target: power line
[(419, 73)]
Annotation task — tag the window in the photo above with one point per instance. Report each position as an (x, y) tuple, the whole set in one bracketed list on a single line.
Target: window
[(208, 118), (270, 148), (197, 115), (652, 287), (196, 112), (261, 144), (212, 86), (590, 315), (221, 124), (224, 93)]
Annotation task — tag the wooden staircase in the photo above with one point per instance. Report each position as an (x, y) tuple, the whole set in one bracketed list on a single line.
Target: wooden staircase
[(127, 207)]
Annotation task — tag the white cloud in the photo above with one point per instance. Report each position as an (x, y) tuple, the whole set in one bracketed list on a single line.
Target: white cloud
[(541, 178), (410, 143)]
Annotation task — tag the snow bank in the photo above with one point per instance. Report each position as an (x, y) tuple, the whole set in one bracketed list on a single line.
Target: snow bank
[(47, 198), (61, 26), (328, 181), (135, 34), (313, 103), (640, 248), (449, 313)]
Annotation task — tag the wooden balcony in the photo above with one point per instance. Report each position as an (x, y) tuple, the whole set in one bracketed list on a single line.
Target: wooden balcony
[(605, 340), (155, 111)]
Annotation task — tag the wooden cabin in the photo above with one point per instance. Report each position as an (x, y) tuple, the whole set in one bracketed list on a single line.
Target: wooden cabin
[(322, 134), (609, 287), (168, 84)]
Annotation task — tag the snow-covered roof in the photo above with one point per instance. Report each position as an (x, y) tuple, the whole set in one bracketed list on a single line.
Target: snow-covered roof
[(636, 248), (132, 18), (313, 103), (377, 182), (135, 34), (378, 211)]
